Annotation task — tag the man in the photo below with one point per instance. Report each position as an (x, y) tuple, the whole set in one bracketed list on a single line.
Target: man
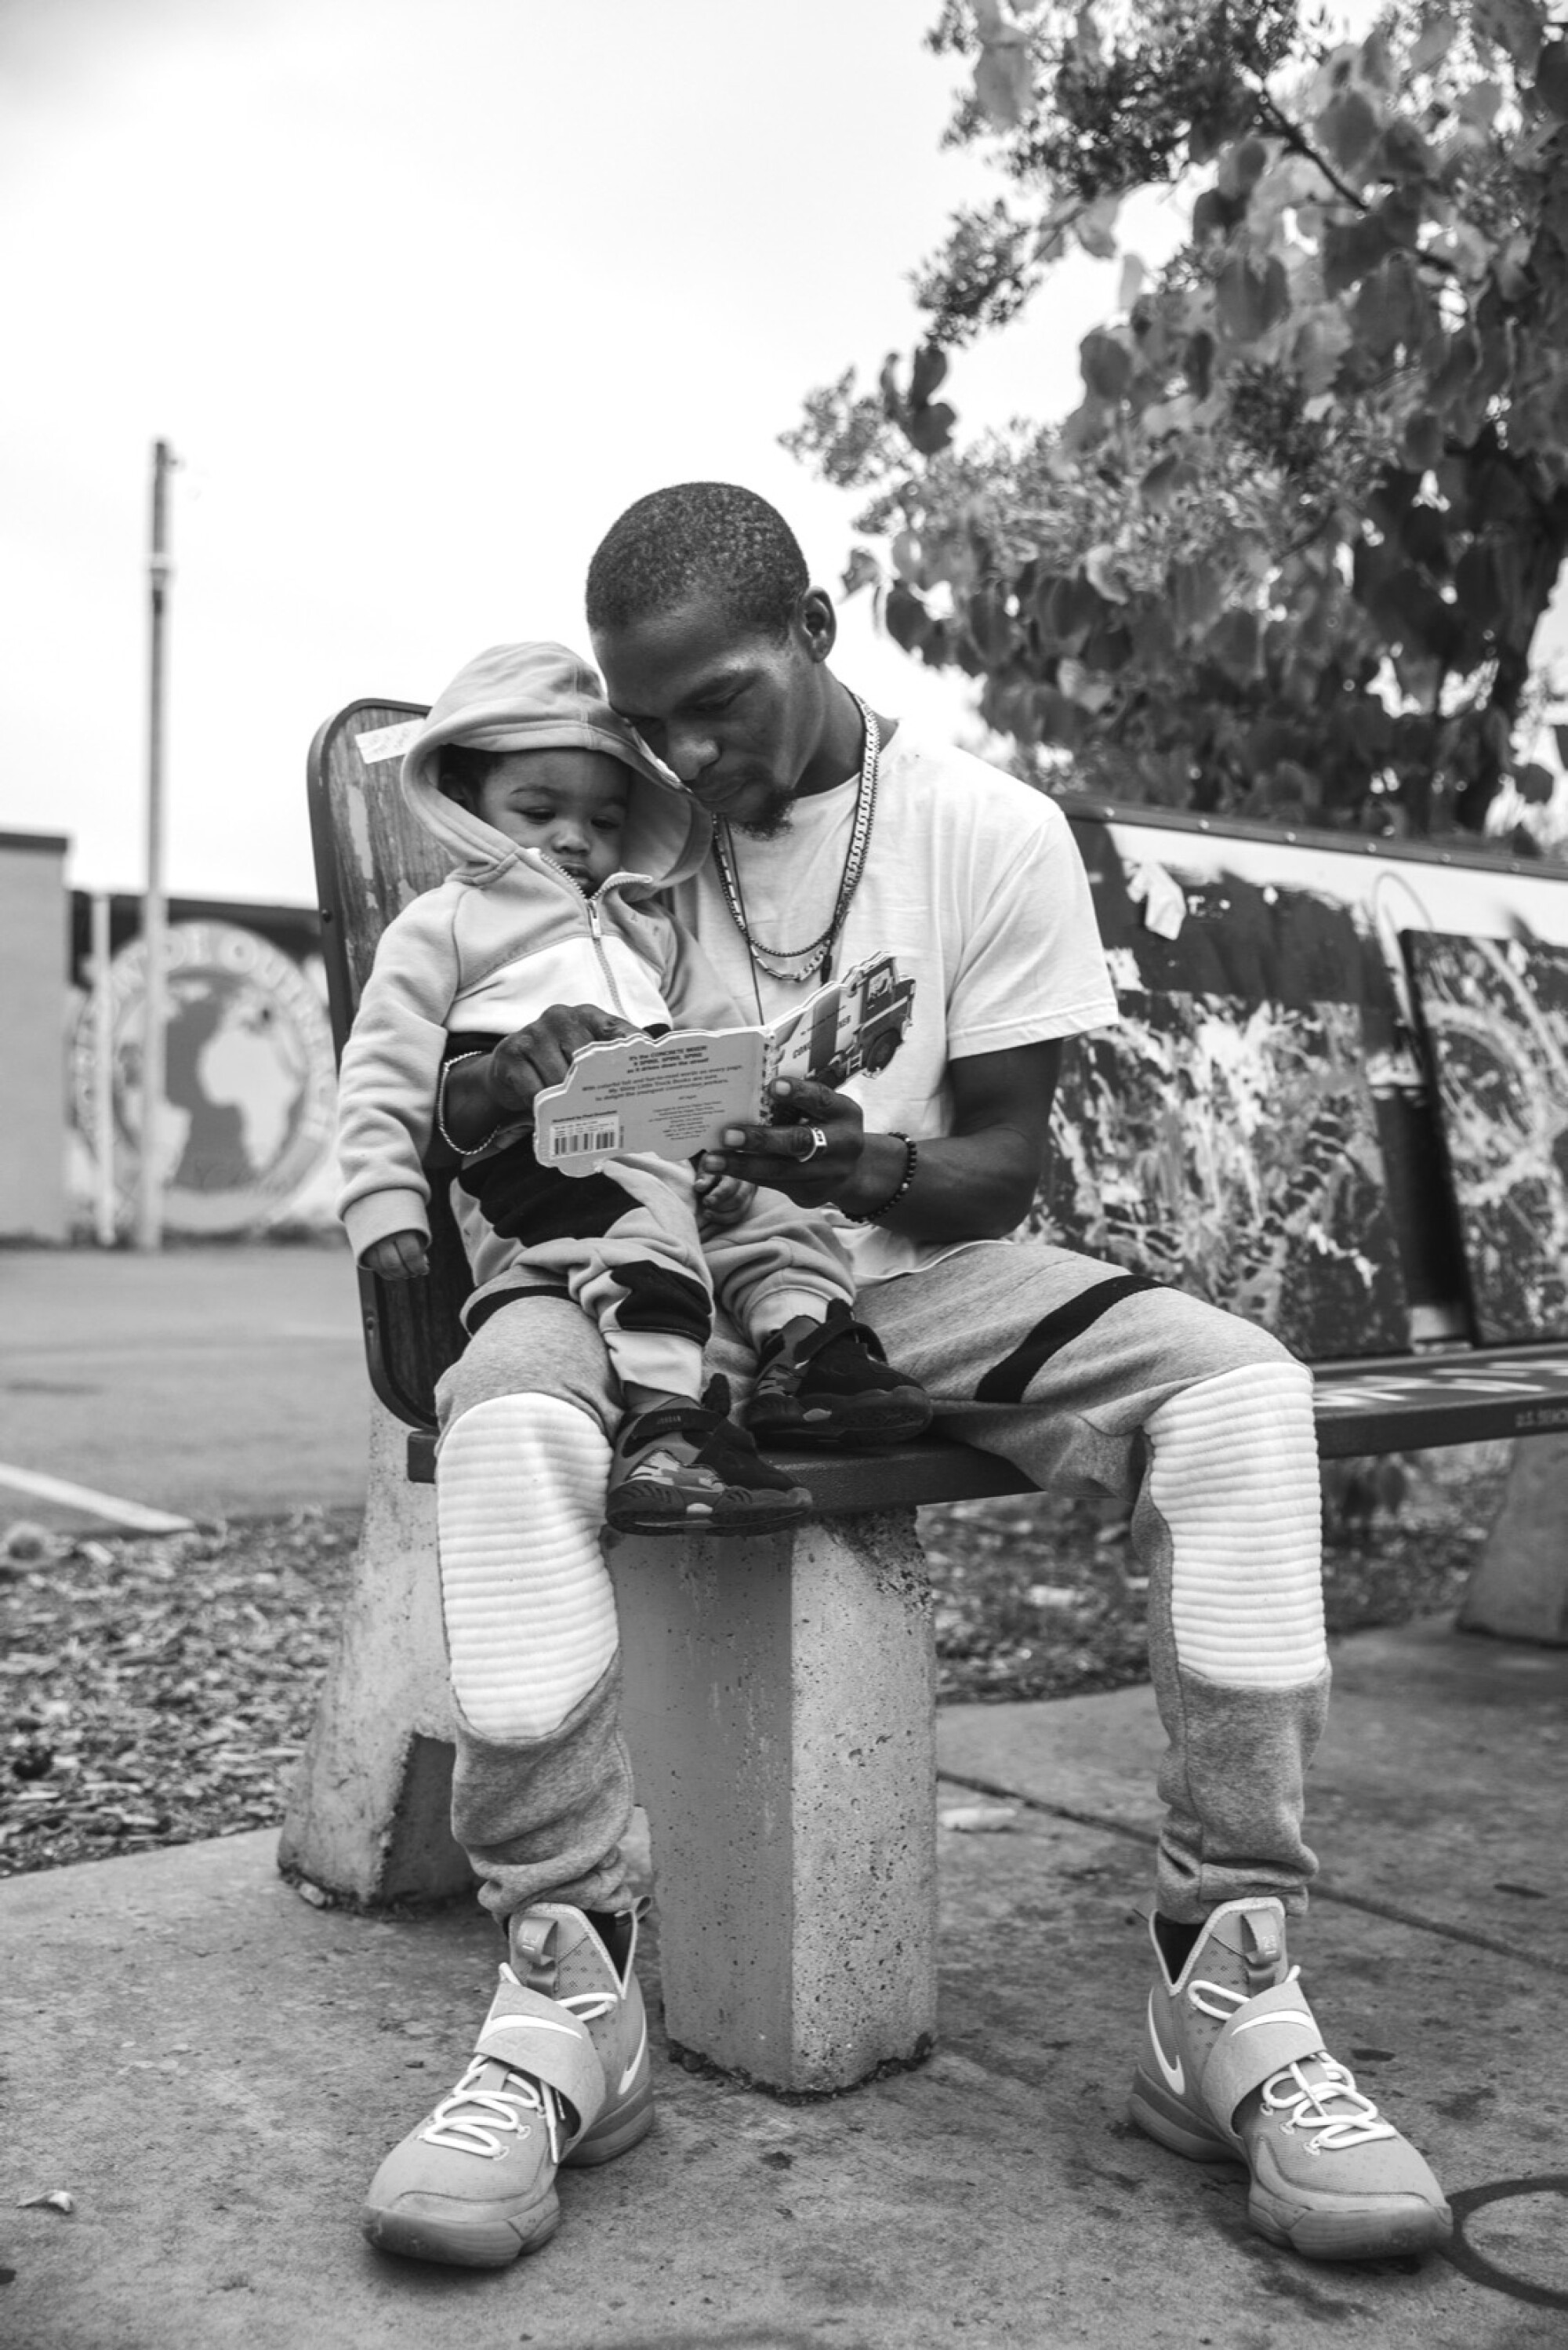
[(839, 834)]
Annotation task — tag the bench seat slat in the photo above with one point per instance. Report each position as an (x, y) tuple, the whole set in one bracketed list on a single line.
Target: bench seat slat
[(1391, 1407)]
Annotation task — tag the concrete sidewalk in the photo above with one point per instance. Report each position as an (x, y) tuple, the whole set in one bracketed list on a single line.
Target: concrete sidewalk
[(213, 2069)]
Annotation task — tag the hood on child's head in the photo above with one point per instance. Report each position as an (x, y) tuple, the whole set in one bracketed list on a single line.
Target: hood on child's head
[(545, 697)]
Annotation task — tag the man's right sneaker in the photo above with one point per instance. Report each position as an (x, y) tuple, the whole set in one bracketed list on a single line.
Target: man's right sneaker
[(559, 2075), (1234, 2069)]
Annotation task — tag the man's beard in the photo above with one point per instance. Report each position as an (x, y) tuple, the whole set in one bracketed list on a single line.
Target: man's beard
[(771, 819)]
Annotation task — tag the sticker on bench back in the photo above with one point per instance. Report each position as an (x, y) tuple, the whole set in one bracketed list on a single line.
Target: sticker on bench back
[(578, 1137), (386, 741)]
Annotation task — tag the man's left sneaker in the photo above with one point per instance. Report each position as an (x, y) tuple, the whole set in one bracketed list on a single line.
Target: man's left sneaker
[(559, 2076), (829, 1382), (1234, 2069)]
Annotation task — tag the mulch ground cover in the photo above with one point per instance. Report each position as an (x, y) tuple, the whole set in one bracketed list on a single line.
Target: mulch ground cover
[(154, 1689)]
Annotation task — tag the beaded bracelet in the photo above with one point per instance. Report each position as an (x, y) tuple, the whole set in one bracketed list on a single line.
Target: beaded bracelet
[(911, 1160), (463, 1150)]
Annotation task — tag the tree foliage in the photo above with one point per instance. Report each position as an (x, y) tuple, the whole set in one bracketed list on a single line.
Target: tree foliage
[(1287, 554)]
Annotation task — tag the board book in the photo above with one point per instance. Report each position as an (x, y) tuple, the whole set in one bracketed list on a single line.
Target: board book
[(675, 1095)]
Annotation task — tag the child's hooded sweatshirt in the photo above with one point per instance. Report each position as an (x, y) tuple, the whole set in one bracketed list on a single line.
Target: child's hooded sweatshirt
[(507, 933)]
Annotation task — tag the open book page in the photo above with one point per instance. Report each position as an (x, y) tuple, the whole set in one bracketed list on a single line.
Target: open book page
[(675, 1095)]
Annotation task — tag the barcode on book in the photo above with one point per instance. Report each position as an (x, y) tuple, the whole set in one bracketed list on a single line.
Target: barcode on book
[(574, 1137)]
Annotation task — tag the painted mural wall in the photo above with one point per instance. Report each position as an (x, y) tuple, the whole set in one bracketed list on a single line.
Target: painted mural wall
[(244, 1133)]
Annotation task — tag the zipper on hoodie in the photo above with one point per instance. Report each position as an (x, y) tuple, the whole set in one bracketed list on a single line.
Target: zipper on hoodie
[(596, 928)]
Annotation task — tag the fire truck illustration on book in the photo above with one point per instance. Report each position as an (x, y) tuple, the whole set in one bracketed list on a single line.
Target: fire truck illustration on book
[(858, 1026)]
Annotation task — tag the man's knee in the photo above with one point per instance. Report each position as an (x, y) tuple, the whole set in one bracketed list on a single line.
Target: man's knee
[(539, 1344)]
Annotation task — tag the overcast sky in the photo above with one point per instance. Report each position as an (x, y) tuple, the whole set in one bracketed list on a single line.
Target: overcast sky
[(423, 292)]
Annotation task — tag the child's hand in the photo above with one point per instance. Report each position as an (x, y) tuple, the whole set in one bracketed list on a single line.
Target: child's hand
[(398, 1256), (721, 1201)]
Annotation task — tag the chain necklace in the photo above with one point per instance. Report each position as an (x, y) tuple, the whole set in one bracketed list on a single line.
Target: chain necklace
[(808, 960)]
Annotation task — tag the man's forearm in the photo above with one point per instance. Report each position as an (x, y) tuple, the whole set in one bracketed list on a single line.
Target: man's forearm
[(967, 1187)]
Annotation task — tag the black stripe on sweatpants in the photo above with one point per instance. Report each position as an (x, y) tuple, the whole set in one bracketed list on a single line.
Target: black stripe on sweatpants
[(1007, 1381), (475, 1316)]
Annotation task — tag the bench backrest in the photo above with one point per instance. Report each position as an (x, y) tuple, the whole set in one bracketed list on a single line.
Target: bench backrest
[(1262, 1129)]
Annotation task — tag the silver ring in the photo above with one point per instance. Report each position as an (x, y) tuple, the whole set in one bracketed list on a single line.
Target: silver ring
[(818, 1142)]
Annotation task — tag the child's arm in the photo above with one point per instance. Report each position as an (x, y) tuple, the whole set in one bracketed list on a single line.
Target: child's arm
[(386, 1091)]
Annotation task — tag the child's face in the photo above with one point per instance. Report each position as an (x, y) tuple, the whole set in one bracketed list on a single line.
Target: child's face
[(571, 804)]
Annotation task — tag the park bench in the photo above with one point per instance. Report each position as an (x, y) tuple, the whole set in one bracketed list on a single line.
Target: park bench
[(1279, 1143)]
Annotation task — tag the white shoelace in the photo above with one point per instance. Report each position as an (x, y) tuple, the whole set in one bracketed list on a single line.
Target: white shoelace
[(472, 2119), (1307, 2102)]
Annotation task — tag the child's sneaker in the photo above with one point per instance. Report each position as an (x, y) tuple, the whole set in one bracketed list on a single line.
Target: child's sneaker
[(1234, 2069), (829, 1382), (686, 1468), (560, 2075)]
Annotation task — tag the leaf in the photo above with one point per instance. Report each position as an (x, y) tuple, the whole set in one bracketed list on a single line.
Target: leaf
[(1436, 40), (1422, 444), (930, 367), (909, 623), (1249, 300), (1559, 736), (1196, 593), (1158, 486), (1534, 783), (1106, 365), (1003, 78), (1234, 642), (930, 428), (1551, 80), (1348, 128), (1096, 229), (1516, 27), (862, 570), (1479, 104), (1099, 569), (1387, 313), (1352, 251), (1132, 281)]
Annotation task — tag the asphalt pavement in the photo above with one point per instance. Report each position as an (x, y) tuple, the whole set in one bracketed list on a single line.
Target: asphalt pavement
[(203, 1382)]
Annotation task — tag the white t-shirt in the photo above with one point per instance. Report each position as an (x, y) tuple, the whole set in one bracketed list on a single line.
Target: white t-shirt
[(973, 883)]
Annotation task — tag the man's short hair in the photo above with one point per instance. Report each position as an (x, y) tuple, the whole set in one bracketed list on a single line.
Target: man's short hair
[(698, 539)]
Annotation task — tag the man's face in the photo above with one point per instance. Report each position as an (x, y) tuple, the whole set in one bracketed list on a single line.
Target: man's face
[(569, 802), (738, 717)]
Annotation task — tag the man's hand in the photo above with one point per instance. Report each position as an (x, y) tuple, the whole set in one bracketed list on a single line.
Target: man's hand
[(398, 1256), (788, 1157)]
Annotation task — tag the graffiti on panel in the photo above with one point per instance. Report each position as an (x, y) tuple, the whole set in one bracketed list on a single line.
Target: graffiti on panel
[(1495, 1014), (1231, 1147)]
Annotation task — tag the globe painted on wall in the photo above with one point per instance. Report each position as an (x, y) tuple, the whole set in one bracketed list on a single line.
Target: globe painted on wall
[(246, 1120)]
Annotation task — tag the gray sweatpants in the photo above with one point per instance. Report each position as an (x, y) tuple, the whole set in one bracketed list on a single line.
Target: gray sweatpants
[(1089, 1379)]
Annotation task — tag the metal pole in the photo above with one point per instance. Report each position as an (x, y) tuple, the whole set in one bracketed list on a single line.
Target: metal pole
[(102, 1077), (154, 913)]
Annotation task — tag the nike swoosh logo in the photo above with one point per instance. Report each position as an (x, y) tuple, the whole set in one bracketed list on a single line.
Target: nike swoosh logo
[(630, 2075), (1175, 2078), (1280, 2015), (529, 2023)]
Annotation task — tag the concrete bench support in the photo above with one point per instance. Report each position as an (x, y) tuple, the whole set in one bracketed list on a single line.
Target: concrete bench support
[(369, 1817), (780, 1710), (1520, 1590)]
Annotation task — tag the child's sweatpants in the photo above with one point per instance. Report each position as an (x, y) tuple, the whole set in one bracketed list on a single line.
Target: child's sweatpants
[(1089, 1379), (648, 1281)]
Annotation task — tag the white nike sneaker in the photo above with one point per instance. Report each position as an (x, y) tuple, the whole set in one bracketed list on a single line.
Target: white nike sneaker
[(1234, 2069), (559, 2075)]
